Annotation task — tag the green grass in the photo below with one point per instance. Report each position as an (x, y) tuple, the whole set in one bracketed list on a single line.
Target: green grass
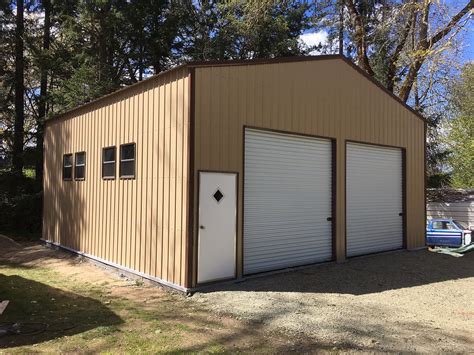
[(86, 317), (80, 316)]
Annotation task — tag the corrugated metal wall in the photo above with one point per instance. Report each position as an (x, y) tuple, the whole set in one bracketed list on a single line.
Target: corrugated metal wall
[(461, 211), (325, 97), (140, 224)]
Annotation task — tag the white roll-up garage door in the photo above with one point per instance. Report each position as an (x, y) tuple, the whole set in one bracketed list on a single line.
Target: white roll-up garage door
[(287, 201), (374, 199)]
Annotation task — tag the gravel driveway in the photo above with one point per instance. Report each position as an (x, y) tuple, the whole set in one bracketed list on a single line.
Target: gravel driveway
[(401, 301)]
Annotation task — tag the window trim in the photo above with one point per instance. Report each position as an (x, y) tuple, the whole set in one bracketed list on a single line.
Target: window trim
[(109, 162), (128, 177), (69, 166), (77, 165)]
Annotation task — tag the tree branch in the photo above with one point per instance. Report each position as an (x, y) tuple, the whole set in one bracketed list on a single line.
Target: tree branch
[(425, 44), (421, 47), (360, 38), (392, 66), (454, 20)]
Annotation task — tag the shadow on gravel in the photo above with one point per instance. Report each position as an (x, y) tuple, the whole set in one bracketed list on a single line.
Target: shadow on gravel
[(47, 312), (359, 276)]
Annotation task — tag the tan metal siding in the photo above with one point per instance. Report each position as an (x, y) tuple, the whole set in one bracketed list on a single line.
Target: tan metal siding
[(141, 223), (326, 98)]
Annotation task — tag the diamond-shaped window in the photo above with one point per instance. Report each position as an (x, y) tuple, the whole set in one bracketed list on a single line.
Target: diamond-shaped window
[(218, 195)]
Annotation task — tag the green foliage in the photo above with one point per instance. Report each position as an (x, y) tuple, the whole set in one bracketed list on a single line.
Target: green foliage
[(21, 202), (437, 154), (238, 29), (259, 29), (461, 134)]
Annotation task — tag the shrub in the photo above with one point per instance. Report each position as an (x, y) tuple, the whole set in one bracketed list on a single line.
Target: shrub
[(21, 203)]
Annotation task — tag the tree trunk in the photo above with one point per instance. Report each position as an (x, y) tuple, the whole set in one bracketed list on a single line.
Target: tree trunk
[(19, 126), (141, 68), (341, 27), (392, 66), (43, 93), (360, 38), (426, 43), (103, 37)]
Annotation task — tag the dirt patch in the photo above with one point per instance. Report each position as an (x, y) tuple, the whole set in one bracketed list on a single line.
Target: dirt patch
[(7, 244), (403, 301)]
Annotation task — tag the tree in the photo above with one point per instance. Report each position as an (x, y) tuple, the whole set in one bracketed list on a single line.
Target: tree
[(262, 28), (19, 134), (42, 102), (238, 29), (391, 39), (7, 79), (460, 139)]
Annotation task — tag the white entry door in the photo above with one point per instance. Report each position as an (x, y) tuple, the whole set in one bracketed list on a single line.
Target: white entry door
[(217, 226)]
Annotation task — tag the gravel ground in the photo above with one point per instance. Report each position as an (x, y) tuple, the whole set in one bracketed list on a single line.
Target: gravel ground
[(402, 301)]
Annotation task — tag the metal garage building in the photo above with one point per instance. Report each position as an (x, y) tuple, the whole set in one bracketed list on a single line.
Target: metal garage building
[(217, 170)]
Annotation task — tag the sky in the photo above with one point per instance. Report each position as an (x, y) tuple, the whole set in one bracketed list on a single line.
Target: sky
[(468, 52), (312, 38), (468, 36)]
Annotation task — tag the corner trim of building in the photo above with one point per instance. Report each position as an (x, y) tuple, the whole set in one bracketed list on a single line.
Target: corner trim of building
[(189, 271), (119, 267), (425, 179)]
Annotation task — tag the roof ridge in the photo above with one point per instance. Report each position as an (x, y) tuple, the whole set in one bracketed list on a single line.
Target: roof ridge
[(238, 62)]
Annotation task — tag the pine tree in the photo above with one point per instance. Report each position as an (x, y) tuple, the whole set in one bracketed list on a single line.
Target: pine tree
[(42, 102), (19, 134)]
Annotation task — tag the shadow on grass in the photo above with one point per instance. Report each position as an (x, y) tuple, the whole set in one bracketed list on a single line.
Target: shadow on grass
[(59, 312)]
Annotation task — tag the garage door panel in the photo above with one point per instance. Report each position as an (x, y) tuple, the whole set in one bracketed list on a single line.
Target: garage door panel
[(287, 199), (374, 199), (281, 237)]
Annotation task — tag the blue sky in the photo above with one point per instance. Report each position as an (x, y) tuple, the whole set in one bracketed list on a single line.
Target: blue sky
[(314, 38), (468, 50)]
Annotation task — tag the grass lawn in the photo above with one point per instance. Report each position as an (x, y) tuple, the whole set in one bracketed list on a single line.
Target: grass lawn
[(79, 307)]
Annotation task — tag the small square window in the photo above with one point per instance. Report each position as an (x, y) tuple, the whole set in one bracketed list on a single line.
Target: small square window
[(108, 163), (127, 161), (67, 167), (80, 167)]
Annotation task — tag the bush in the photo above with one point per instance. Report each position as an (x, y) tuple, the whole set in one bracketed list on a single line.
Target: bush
[(21, 203), (22, 213)]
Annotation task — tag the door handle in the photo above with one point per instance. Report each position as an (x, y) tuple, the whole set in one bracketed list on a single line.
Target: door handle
[(400, 214), (329, 219), (202, 227)]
